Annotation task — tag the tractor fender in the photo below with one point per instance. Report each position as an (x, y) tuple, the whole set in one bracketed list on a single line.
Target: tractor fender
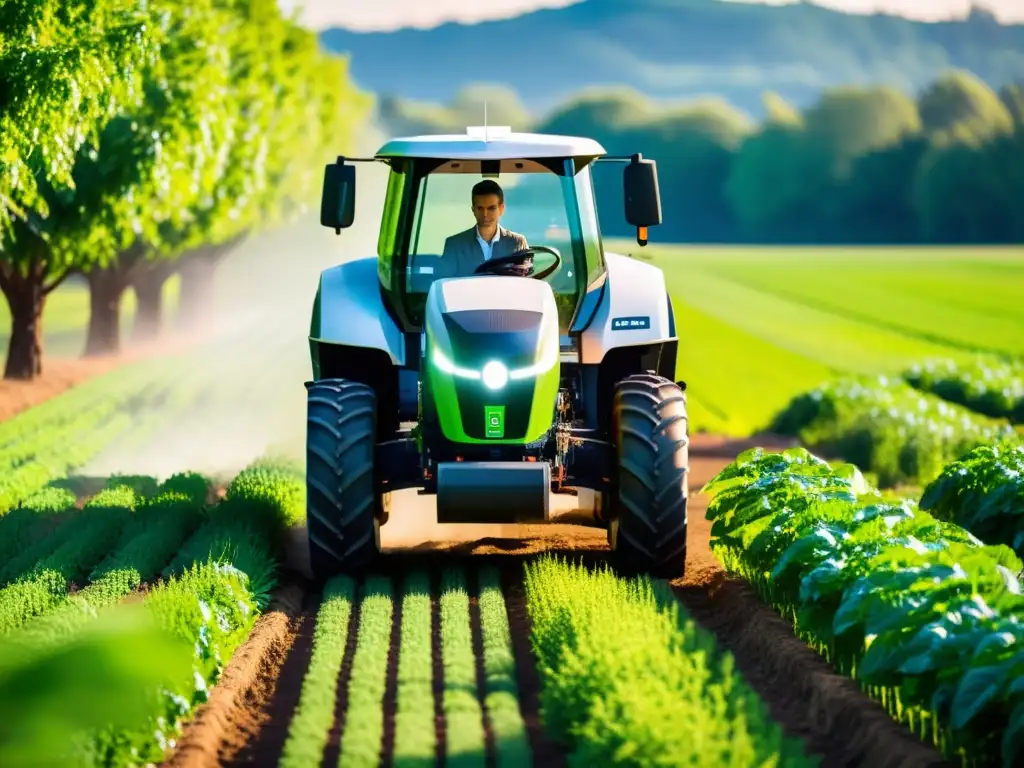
[(349, 311), (634, 310)]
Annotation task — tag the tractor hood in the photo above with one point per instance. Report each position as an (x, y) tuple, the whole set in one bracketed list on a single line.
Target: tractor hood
[(492, 357)]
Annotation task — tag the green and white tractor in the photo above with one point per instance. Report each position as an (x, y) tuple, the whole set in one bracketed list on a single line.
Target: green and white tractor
[(540, 378)]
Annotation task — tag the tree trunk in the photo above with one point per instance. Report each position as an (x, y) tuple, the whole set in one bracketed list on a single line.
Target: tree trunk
[(148, 284), (26, 298), (106, 287), (195, 302)]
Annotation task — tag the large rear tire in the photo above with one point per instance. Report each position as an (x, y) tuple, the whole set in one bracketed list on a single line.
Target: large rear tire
[(648, 516), (343, 509)]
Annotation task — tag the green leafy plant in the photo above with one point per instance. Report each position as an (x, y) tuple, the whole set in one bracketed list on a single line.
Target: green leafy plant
[(886, 427), (983, 492), (992, 387), (918, 610)]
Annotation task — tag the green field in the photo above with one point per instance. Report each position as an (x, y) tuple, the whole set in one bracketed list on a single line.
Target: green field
[(759, 325)]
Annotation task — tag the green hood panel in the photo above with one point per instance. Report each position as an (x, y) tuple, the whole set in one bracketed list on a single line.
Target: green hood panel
[(493, 372)]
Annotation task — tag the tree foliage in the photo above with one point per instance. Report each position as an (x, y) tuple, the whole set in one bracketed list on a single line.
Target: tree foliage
[(66, 68), (861, 164), (191, 125)]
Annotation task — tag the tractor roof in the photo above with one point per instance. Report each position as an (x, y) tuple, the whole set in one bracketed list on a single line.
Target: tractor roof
[(491, 143)]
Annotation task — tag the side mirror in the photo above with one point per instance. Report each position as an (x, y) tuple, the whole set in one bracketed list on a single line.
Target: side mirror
[(642, 195), (338, 201)]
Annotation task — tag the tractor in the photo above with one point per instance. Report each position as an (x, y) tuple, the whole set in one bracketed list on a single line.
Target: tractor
[(536, 379)]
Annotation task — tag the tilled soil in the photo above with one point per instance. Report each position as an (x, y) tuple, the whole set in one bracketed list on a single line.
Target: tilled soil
[(804, 695), (235, 713)]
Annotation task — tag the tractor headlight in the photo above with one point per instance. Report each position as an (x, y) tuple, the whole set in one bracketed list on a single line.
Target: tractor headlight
[(446, 365), (496, 374), (546, 361)]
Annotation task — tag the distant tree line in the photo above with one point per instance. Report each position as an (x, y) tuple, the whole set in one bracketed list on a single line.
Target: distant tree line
[(863, 165), (142, 140)]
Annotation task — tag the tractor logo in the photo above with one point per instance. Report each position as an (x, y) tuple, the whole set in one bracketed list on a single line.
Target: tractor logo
[(494, 420)]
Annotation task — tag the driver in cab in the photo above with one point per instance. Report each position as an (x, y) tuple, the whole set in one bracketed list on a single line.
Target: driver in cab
[(488, 239)]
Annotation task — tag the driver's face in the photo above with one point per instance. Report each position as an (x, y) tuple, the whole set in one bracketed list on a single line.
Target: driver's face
[(487, 210)]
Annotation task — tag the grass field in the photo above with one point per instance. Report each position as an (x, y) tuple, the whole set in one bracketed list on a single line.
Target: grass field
[(759, 325)]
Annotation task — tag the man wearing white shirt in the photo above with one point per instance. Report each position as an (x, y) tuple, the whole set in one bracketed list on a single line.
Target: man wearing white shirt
[(488, 239)]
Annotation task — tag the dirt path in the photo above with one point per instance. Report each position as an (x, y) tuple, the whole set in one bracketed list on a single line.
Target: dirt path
[(59, 375), (804, 695)]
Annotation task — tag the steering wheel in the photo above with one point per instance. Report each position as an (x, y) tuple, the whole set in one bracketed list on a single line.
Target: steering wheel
[(520, 264)]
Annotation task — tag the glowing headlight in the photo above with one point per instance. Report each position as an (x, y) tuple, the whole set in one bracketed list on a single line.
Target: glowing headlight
[(446, 365), (495, 375)]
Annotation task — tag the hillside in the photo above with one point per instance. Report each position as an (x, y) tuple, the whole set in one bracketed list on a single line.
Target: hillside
[(680, 49)]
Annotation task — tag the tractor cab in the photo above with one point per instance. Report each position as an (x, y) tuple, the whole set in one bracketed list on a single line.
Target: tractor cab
[(548, 199), (515, 382)]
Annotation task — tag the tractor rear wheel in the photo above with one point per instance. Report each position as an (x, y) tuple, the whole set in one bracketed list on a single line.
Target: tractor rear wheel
[(343, 509), (647, 525)]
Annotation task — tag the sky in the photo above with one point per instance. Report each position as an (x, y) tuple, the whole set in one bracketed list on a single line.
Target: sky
[(391, 14)]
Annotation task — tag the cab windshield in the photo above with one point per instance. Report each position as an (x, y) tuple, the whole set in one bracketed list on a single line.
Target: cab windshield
[(546, 208)]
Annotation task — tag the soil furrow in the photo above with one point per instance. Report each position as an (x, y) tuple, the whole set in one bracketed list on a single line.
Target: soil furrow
[(804, 694), (332, 750), (232, 721), (476, 631), (265, 745), (546, 753), (438, 661), (390, 704)]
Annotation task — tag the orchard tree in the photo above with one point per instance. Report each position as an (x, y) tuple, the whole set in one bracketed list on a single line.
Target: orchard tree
[(214, 220), (158, 160), (274, 173), (66, 69)]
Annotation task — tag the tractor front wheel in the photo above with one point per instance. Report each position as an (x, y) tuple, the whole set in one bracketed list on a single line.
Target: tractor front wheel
[(647, 525), (344, 512)]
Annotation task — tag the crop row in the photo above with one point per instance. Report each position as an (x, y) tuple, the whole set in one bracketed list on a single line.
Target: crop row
[(44, 443), (620, 664), (202, 576), (991, 387), (894, 432), (373, 610), (918, 610), (983, 491), (113, 415)]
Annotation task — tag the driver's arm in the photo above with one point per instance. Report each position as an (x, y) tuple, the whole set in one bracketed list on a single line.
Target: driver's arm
[(521, 244)]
